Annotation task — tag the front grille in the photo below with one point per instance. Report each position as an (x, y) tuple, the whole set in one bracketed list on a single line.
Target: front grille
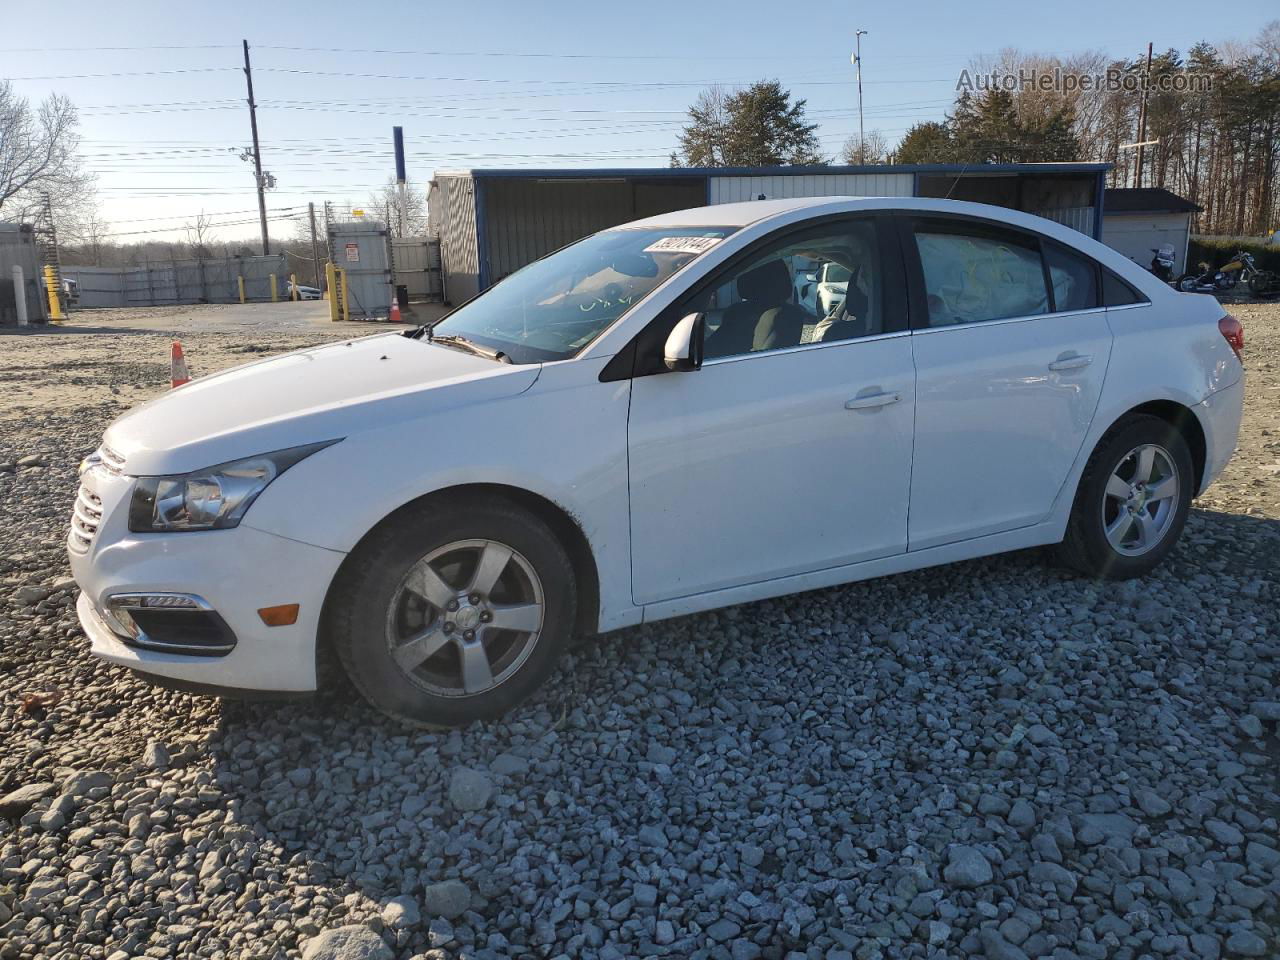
[(85, 517), (112, 462)]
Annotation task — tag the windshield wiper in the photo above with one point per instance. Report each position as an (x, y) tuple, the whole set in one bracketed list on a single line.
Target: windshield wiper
[(470, 346)]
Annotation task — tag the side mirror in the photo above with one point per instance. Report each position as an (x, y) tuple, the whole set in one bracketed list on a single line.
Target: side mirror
[(811, 277), (683, 350)]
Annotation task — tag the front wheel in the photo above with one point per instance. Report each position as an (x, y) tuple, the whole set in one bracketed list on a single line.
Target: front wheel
[(453, 611), (1188, 283), (1132, 502)]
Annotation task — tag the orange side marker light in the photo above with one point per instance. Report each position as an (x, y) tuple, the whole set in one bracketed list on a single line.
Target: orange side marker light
[(283, 615)]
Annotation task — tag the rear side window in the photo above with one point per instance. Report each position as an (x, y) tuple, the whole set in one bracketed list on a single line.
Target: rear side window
[(1117, 292), (974, 273), (1073, 276)]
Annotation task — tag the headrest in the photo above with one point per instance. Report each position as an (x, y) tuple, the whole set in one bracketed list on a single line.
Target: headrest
[(769, 284)]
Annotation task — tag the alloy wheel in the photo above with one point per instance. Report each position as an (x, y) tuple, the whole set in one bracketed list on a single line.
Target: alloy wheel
[(1141, 500), (465, 618)]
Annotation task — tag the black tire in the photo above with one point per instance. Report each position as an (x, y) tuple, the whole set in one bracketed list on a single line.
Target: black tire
[(1086, 547), (1187, 283), (356, 613)]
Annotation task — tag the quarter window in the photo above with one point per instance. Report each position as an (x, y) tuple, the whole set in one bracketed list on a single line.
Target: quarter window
[(1074, 278), (973, 274), (1117, 292)]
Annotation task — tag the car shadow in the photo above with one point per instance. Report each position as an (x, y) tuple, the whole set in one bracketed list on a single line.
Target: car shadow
[(361, 803)]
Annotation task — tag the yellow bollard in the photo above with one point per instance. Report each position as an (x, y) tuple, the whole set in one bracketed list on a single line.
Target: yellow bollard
[(346, 306), (330, 282), (55, 298), (275, 293), (240, 282), (293, 286)]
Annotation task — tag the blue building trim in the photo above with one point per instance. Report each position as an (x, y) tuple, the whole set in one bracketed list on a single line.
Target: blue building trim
[(590, 173), (482, 238), (1099, 205)]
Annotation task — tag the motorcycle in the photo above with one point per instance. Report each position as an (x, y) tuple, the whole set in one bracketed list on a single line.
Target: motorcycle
[(1162, 262), (1206, 281), (1261, 282)]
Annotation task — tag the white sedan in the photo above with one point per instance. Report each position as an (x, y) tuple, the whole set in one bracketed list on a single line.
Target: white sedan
[(646, 424)]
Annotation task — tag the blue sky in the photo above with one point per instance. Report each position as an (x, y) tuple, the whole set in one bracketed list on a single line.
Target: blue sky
[(496, 83)]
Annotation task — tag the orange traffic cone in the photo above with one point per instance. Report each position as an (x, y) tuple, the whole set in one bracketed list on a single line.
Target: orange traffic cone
[(178, 365), (395, 311)]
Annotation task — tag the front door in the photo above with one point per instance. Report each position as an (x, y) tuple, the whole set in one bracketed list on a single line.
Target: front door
[(789, 451), (1009, 368)]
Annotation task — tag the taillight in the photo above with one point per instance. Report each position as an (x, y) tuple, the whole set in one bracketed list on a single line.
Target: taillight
[(1233, 331)]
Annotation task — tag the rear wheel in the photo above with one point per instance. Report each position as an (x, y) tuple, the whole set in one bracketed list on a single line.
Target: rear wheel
[(1188, 283), (1132, 502), (453, 612)]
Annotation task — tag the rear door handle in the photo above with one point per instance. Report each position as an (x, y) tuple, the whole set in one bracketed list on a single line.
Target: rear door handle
[(1074, 362), (872, 401)]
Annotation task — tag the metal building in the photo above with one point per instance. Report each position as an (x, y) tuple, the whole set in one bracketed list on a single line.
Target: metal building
[(1138, 220), (492, 222), (18, 248)]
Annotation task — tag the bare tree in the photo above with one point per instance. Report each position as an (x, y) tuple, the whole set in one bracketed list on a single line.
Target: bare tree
[(874, 149), (200, 235), (39, 155), (386, 204), (84, 242)]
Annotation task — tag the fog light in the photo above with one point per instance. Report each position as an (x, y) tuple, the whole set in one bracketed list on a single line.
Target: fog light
[(284, 615)]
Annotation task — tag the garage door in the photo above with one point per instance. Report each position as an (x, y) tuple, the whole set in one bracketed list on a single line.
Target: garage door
[(1135, 235)]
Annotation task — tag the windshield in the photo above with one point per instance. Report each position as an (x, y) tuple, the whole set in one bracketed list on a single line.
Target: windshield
[(555, 306)]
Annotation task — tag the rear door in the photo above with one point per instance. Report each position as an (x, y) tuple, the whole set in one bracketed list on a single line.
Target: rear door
[(1011, 349)]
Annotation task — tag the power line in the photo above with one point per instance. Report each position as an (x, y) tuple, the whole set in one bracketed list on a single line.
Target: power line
[(137, 73)]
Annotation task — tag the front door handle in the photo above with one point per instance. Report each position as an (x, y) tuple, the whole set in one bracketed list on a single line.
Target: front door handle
[(872, 401), (1073, 362)]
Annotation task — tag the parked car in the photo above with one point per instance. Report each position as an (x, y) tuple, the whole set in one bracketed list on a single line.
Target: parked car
[(303, 292), (644, 425)]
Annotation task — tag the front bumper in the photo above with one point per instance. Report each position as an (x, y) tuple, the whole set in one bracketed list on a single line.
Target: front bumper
[(237, 571)]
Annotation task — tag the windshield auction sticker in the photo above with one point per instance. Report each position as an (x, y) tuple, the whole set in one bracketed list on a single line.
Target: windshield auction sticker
[(694, 245)]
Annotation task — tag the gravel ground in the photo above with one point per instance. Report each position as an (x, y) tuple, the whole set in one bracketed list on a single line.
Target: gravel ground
[(989, 759)]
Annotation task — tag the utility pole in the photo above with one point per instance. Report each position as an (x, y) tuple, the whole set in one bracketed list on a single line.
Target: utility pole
[(398, 138), (1142, 121), (857, 62), (257, 152), (315, 253)]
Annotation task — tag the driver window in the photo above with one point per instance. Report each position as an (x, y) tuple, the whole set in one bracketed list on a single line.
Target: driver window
[(819, 286)]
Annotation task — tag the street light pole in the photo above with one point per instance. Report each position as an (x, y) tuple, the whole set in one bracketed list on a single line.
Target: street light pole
[(857, 62)]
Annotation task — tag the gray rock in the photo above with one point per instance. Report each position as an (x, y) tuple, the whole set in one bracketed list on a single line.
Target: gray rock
[(401, 913), (1245, 943), (1022, 816), (1206, 946), (1062, 879), (81, 782), (156, 755), (1262, 860), (1251, 726), (653, 836), (1268, 710), (1225, 833), (996, 947), (17, 802), (966, 868), (469, 789), (347, 943), (1151, 803), (509, 765), (449, 899), (722, 930)]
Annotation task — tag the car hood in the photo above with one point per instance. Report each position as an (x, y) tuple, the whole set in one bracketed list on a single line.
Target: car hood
[(323, 393)]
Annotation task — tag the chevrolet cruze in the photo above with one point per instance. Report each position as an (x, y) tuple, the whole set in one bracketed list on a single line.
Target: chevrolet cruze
[(649, 423)]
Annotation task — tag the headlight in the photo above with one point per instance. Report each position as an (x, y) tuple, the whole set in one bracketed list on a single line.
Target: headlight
[(211, 499)]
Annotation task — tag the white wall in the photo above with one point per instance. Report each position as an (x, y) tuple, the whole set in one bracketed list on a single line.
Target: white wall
[(1136, 234), (734, 189)]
